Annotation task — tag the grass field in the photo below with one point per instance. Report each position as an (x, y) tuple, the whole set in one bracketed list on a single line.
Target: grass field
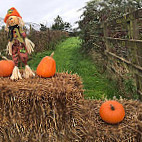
[(68, 57)]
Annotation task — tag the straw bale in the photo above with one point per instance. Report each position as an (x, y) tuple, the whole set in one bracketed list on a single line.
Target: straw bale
[(54, 110), (96, 130), (37, 107)]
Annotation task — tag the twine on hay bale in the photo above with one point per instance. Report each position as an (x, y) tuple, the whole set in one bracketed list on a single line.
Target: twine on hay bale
[(54, 110)]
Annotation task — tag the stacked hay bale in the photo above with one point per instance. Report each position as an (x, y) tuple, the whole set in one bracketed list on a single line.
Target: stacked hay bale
[(54, 110), (37, 109), (129, 130)]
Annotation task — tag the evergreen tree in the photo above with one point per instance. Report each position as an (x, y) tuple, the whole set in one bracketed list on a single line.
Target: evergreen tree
[(67, 26), (43, 27), (59, 24)]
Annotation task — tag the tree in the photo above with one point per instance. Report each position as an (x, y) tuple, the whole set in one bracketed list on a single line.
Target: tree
[(67, 26), (59, 24), (43, 27), (98, 11)]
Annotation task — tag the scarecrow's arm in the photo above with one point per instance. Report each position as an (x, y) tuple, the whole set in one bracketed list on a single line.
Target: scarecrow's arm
[(29, 44), (23, 33)]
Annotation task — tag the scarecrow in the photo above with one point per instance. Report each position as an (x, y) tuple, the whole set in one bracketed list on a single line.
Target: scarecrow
[(19, 46)]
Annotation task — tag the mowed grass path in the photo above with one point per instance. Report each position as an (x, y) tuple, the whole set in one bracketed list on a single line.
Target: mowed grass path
[(69, 58)]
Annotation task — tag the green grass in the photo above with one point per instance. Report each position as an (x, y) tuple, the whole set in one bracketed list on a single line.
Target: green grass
[(69, 58)]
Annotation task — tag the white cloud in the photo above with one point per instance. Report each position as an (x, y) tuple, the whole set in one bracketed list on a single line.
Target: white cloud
[(39, 11)]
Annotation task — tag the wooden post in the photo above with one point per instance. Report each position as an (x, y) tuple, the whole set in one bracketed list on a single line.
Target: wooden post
[(134, 34), (105, 30), (135, 29), (107, 44)]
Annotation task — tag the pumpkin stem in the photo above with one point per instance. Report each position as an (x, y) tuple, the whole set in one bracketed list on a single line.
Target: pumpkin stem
[(4, 57), (52, 54), (112, 107)]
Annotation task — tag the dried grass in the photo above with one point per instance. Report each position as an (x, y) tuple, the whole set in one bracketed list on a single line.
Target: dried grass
[(54, 110)]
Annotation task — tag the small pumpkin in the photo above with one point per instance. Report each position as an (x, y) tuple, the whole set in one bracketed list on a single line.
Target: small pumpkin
[(46, 67), (6, 68), (112, 112)]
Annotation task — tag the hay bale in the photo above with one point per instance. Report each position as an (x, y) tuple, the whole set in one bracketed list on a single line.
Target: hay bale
[(38, 108), (93, 128), (54, 110)]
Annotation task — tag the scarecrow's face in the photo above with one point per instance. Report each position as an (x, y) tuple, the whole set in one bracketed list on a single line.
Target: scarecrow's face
[(13, 20)]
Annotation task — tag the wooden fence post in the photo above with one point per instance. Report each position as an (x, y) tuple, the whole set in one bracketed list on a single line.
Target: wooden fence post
[(134, 34), (105, 30)]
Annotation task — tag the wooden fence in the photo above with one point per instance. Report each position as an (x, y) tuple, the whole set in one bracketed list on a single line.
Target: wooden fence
[(123, 40)]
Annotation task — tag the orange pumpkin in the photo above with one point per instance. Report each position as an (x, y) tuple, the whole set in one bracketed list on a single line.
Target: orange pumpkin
[(47, 67), (6, 68), (112, 112)]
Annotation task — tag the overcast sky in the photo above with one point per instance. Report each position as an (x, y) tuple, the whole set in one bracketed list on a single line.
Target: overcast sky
[(44, 11)]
